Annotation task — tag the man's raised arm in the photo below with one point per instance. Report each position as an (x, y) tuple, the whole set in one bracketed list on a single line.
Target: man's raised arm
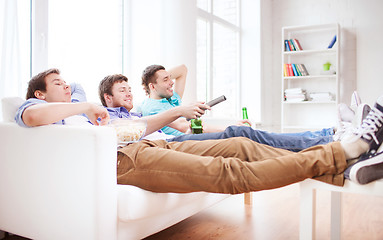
[(179, 74)]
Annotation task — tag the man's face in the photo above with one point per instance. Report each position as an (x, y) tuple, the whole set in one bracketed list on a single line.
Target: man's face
[(122, 96), (164, 86), (56, 89)]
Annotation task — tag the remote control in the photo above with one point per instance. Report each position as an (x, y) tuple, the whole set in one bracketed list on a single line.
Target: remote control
[(216, 101)]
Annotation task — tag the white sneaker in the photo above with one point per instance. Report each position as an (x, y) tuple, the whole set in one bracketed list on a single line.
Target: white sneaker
[(361, 113), (355, 101), (371, 129), (343, 130), (345, 113)]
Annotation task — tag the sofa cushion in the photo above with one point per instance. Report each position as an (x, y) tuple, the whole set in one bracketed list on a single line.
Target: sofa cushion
[(10, 106), (135, 203)]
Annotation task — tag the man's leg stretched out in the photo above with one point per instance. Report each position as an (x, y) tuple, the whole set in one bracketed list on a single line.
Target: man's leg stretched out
[(239, 165), (289, 141), (233, 165)]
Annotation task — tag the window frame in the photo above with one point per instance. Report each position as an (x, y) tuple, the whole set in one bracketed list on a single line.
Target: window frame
[(211, 19)]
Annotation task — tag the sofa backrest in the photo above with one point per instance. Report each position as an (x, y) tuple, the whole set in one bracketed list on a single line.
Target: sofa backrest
[(10, 106)]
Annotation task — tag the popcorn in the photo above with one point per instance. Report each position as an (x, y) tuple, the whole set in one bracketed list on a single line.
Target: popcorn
[(129, 133), (129, 130)]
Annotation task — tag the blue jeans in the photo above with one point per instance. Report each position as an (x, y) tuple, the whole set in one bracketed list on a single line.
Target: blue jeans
[(289, 141)]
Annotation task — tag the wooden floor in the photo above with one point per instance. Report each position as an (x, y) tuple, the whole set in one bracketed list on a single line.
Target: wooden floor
[(275, 215)]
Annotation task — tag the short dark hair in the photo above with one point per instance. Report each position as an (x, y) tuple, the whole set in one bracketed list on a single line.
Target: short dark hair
[(148, 76), (38, 82), (107, 83)]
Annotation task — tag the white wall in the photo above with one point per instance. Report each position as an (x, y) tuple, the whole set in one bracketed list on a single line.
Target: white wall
[(361, 25), (251, 63)]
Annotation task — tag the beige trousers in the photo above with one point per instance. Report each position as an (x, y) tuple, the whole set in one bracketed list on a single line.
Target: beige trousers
[(233, 165)]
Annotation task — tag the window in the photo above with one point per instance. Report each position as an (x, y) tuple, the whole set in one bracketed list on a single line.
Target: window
[(15, 47), (85, 41), (81, 38), (218, 54)]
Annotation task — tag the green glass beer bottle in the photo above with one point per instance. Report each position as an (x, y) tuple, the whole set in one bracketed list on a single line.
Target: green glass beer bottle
[(244, 115), (196, 126)]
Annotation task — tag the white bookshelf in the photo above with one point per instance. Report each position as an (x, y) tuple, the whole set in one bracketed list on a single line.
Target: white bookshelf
[(311, 115)]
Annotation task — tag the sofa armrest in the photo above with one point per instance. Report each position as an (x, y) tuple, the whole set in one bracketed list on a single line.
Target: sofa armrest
[(58, 182)]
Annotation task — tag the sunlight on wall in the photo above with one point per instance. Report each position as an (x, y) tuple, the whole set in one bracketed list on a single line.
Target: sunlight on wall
[(85, 41)]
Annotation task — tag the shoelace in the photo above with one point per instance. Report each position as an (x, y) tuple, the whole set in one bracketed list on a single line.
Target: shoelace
[(371, 125)]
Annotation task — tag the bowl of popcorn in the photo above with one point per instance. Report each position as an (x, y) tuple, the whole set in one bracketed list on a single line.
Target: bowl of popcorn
[(128, 130)]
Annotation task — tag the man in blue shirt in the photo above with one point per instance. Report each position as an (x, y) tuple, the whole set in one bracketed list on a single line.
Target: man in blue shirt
[(35, 111), (165, 94), (166, 99), (115, 94)]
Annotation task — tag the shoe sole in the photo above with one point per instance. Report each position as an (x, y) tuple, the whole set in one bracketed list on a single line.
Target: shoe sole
[(361, 171)]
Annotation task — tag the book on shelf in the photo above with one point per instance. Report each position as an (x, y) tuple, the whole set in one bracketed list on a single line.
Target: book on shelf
[(294, 70), (290, 70), (292, 45), (333, 41), (287, 46), (304, 70), (298, 70), (285, 74), (295, 95), (297, 44)]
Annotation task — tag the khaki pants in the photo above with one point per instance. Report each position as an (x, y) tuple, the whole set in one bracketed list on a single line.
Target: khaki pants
[(233, 165)]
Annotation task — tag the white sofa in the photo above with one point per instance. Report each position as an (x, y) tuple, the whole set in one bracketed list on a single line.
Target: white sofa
[(59, 182)]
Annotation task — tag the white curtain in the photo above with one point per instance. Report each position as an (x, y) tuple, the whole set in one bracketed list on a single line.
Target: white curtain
[(14, 43)]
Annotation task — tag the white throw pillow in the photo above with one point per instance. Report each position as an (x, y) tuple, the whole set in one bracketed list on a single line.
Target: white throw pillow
[(10, 106)]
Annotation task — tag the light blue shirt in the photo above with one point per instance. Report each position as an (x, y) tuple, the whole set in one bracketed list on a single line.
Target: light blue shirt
[(78, 95), (154, 106)]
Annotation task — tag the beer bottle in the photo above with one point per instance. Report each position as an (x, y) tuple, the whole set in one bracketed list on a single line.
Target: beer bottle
[(196, 126), (244, 115)]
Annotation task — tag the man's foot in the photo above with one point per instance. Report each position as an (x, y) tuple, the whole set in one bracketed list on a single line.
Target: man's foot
[(368, 136), (368, 168), (343, 130), (371, 130), (355, 101), (346, 119), (345, 113)]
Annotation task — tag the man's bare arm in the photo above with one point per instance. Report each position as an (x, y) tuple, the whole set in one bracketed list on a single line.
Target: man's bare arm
[(44, 114), (181, 124), (158, 121), (179, 73)]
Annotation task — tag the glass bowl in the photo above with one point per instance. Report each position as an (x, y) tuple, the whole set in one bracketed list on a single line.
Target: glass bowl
[(128, 129)]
